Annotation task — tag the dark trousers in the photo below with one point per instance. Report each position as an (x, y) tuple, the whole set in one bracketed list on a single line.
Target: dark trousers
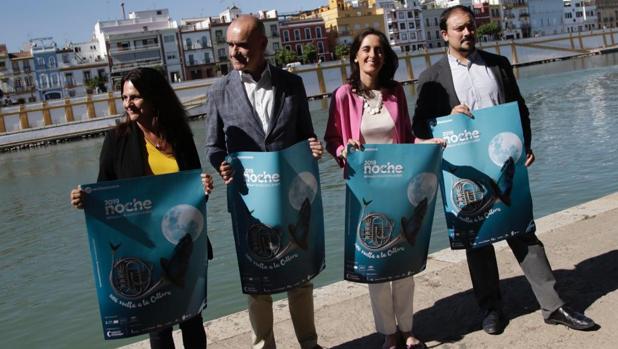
[(193, 335), (530, 254)]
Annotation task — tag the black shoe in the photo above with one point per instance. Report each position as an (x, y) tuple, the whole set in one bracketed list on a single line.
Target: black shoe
[(571, 319), (493, 323)]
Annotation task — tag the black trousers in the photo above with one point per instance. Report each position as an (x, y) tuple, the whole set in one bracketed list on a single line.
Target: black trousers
[(193, 335), (530, 253)]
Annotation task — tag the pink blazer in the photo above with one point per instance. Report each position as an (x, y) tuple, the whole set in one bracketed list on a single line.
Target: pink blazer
[(346, 110)]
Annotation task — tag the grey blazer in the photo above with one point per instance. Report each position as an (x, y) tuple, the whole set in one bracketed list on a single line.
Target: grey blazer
[(437, 96), (232, 124)]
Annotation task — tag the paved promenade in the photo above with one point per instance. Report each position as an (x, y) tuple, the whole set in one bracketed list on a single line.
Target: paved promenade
[(582, 246)]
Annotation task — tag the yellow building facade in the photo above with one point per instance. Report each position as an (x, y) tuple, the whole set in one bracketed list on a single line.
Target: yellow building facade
[(343, 22)]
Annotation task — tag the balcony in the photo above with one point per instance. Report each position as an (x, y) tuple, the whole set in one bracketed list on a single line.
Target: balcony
[(119, 50)]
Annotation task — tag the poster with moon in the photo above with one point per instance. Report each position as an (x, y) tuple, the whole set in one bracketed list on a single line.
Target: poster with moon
[(390, 200), (149, 251), (276, 207), (485, 187)]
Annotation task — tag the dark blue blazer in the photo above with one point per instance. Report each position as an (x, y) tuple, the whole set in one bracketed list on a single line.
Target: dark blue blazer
[(232, 124), (437, 96)]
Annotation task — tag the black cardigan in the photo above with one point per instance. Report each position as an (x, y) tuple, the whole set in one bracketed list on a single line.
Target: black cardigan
[(124, 155)]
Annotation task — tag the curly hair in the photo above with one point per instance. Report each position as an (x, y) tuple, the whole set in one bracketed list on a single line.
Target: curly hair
[(386, 74)]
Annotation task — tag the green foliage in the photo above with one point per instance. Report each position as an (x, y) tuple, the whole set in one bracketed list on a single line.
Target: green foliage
[(96, 82), (310, 53), (492, 29), (284, 56), (342, 51)]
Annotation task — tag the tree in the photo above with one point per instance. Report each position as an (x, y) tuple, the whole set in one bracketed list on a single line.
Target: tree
[(341, 51), (284, 56), (98, 82), (491, 29), (310, 53)]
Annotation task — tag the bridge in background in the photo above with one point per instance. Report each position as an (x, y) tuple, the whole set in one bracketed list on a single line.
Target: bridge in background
[(54, 121)]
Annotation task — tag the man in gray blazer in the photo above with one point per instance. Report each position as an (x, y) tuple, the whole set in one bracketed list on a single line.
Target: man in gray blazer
[(258, 107), (468, 79)]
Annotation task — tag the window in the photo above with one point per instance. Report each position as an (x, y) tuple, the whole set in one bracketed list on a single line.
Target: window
[(428, 35), (435, 20), (401, 15), (189, 44), (273, 30), (297, 34), (206, 57), (286, 35), (427, 22), (191, 60), (221, 54), (86, 74), (168, 38), (29, 82), (171, 57), (320, 47), (404, 37), (68, 77), (44, 81), (101, 73), (65, 58), (40, 61), (219, 36), (307, 33), (411, 25), (17, 84), (205, 42), (54, 80), (299, 49), (276, 46), (402, 26), (318, 32), (122, 45), (410, 14)]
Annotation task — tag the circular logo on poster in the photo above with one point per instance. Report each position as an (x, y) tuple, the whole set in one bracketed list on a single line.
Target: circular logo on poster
[(130, 277), (264, 242), (470, 198), (374, 230)]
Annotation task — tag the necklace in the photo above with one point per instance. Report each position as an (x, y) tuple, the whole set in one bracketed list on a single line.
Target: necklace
[(373, 105), (156, 142)]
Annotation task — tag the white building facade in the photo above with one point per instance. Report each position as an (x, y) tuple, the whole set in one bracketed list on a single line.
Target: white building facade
[(404, 23), (546, 17), (145, 39), (579, 15)]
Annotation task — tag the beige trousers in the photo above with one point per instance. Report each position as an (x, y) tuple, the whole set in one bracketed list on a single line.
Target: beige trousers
[(300, 300), (392, 305)]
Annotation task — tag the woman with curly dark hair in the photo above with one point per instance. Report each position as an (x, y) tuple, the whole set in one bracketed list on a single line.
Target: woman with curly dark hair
[(155, 138)]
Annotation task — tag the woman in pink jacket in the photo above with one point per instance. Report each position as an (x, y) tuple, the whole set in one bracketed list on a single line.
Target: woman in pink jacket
[(371, 108)]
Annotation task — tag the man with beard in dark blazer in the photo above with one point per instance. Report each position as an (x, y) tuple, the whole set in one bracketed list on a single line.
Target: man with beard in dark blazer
[(467, 79)]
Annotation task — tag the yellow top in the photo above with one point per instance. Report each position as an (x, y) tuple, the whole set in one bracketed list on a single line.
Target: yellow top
[(159, 162)]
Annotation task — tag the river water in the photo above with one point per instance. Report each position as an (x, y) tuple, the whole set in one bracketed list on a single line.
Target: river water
[(47, 295)]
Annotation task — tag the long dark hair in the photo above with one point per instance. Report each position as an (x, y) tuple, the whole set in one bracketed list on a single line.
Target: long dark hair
[(386, 74), (171, 117)]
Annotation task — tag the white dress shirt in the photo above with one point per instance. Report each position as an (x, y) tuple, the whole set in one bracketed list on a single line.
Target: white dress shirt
[(260, 94), (474, 82)]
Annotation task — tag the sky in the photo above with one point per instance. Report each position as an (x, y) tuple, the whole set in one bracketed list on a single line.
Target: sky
[(74, 20)]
